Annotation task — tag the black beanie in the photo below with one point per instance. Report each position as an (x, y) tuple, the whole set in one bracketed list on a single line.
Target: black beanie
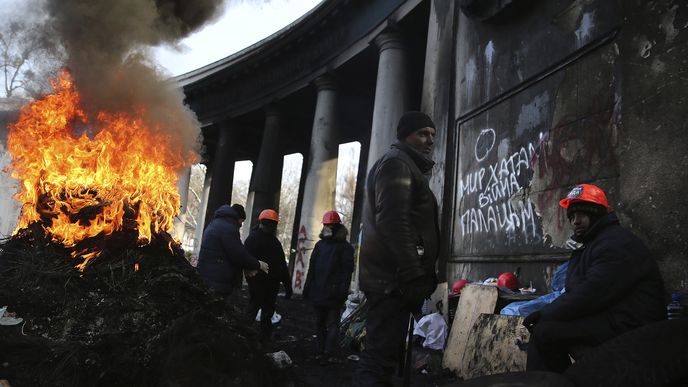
[(592, 209), (239, 210), (412, 121)]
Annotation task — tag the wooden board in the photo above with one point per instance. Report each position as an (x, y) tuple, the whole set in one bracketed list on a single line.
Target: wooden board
[(495, 345), (475, 299)]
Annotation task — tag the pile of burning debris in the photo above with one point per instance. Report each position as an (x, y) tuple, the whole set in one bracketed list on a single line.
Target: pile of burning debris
[(134, 316)]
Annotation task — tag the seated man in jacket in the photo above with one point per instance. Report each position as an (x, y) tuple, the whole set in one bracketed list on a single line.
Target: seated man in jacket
[(223, 257), (613, 285)]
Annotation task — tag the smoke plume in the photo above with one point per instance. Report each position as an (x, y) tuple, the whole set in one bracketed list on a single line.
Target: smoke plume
[(107, 44)]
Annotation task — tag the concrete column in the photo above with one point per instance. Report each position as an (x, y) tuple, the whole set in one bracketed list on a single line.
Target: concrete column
[(266, 178), (321, 179), (222, 173), (391, 93), (200, 217), (183, 188)]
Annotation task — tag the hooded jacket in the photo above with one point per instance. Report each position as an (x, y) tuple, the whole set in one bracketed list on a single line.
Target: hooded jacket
[(329, 271), (223, 257), (613, 275), (400, 239)]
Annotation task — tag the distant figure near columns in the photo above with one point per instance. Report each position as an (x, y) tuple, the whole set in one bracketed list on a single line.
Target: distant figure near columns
[(391, 93), (266, 178), (321, 179)]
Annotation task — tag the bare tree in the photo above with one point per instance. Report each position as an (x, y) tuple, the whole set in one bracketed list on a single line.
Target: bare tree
[(347, 172), (291, 177), (29, 58)]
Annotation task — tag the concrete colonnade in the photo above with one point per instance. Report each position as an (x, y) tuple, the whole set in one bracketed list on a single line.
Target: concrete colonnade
[(321, 176), (266, 178)]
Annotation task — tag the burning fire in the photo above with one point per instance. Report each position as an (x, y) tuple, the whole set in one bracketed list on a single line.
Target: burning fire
[(83, 179)]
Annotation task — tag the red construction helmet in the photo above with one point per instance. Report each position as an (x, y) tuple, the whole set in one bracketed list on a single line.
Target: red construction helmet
[(331, 217), (507, 280), (269, 215), (585, 193), (458, 285)]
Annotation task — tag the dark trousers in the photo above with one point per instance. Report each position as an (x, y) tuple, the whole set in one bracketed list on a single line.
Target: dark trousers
[(552, 341), (263, 296), (383, 344), (327, 328)]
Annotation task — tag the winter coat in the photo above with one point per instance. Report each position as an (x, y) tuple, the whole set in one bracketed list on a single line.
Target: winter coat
[(400, 239), (614, 275), (329, 271), (266, 247), (222, 257)]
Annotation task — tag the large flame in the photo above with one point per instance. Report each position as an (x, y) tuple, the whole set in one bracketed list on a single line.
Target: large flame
[(83, 179)]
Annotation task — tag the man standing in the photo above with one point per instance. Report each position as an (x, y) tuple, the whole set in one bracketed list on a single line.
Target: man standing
[(400, 245), (263, 287), (222, 257), (612, 285)]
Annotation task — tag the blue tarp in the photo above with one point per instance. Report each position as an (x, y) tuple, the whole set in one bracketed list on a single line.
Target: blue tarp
[(524, 308)]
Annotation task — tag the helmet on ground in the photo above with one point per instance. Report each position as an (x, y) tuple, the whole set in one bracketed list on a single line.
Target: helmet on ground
[(269, 215), (507, 280), (458, 285), (331, 217), (585, 193)]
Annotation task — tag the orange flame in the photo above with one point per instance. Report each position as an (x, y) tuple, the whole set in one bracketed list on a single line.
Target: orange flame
[(119, 173)]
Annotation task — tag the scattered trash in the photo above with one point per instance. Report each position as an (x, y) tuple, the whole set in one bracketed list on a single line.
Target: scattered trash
[(280, 359), (353, 357), (8, 318), (276, 317)]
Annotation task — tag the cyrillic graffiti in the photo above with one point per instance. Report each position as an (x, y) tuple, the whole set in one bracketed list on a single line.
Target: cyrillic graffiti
[(497, 207), (300, 265)]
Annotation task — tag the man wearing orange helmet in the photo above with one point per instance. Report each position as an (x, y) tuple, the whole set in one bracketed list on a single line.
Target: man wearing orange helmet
[(400, 245), (263, 287), (613, 285)]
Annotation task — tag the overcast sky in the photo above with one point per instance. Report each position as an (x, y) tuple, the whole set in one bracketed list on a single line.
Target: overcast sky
[(244, 23)]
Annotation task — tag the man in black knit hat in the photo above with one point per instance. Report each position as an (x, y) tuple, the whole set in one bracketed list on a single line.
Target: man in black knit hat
[(613, 285), (399, 246)]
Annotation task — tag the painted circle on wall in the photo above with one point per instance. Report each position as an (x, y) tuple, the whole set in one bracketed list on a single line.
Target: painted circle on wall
[(484, 143)]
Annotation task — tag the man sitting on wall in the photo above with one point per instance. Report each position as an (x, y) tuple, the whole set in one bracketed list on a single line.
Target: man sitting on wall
[(613, 285)]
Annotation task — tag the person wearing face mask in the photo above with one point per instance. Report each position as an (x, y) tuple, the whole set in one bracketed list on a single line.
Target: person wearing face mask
[(263, 287), (613, 285)]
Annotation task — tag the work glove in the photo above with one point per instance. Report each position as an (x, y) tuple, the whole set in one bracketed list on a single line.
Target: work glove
[(532, 319), (288, 292), (417, 290), (264, 267)]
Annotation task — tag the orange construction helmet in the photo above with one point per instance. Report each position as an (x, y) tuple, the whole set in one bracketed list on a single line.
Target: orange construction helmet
[(331, 217), (585, 193), (269, 215)]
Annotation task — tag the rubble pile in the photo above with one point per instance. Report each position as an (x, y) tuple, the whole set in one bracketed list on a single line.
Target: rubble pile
[(133, 317)]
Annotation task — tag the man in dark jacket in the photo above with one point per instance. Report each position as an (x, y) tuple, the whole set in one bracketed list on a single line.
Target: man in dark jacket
[(327, 282), (400, 245), (612, 285), (222, 257), (263, 287)]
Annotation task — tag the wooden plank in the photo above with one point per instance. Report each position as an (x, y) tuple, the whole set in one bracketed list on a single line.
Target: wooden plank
[(494, 346), (475, 299)]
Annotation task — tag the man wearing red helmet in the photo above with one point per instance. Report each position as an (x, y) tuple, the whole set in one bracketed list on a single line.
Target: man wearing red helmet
[(613, 285), (327, 283), (400, 245)]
